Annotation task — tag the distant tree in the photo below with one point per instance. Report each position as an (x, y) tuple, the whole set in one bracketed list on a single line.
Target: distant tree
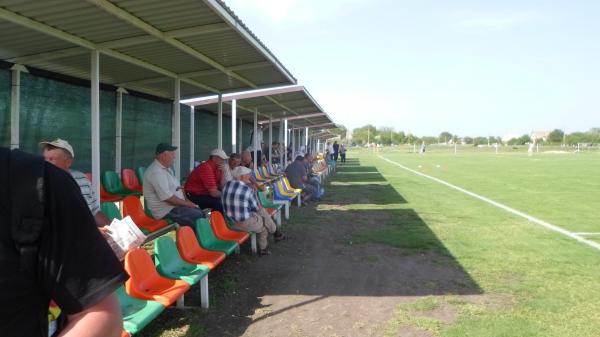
[(340, 131), (468, 140), (363, 134), (445, 137), (429, 140), (524, 139), (480, 141), (400, 138), (387, 135), (556, 136)]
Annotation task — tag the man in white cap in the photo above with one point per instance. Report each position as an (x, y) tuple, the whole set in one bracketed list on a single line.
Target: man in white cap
[(241, 205), (202, 186), (60, 153)]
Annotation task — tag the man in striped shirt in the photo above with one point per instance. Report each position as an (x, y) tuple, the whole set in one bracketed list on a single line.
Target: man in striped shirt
[(241, 205), (60, 153)]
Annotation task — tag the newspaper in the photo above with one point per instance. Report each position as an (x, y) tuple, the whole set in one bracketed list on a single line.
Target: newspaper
[(124, 235)]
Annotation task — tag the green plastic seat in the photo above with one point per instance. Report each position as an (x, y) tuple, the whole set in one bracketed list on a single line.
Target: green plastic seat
[(267, 203), (110, 210), (170, 265), (208, 240), (137, 313), (140, 174), (112, 184)]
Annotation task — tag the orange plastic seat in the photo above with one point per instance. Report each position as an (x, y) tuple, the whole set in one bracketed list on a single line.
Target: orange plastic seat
[(130, 180), (222, 232), (191, 251), (145, 282), (272, 211), (133, 207), (105, 196)]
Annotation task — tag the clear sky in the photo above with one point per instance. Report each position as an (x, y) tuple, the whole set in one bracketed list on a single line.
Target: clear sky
[(473, 68)]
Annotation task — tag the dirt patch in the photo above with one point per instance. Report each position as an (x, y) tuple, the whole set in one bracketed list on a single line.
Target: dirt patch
[(320, 282)]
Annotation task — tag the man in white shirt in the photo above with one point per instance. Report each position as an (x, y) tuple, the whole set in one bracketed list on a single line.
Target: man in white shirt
[(163, 193)]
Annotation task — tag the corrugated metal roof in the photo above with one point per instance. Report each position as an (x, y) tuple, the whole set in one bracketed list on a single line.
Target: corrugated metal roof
[(144, 44)]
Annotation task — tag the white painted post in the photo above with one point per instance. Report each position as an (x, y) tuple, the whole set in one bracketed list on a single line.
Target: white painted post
[(95, 123), (192, 137), (233, 125), (119, 129), (176, 128), (293, 144), (15, 105), (285, 140), (270, 139), (255, 143), (204, 299), (220, 123), (281, 143), (306, 139)]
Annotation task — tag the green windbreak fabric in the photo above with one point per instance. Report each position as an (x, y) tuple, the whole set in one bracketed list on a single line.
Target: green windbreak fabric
[(4, 107)]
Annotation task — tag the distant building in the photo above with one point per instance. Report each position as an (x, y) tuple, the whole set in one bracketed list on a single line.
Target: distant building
[(539, 135)]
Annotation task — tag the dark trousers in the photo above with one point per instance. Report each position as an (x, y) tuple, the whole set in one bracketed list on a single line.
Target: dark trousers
[(343, 156), (335, 156), (206, 201), (258, 157)]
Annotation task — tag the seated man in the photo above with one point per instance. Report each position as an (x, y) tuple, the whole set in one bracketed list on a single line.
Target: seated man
[(60, 153), (202, 186), (163, 193), (247, 159), (233, 162), (298, 177), (313, 179), (241, 205)]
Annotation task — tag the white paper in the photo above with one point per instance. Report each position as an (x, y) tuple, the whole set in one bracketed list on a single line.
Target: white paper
[(124, 235)]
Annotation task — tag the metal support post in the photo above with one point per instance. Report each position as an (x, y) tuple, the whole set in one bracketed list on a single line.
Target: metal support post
[(192, 138), (220, 123), (255, 143), (233, 125), (15, 105), (95, 123), (176, 128), (270, 145), (119, 129)]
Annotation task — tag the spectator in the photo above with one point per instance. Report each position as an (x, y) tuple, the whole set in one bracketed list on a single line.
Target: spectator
[(241, 205), (259, 145), (298, 177), (275, 153), (233, 162), (60, 153), (336, 150), (313, 179), (163, 193), (247, 159), (66, 260), (202, 186), (343, 153)]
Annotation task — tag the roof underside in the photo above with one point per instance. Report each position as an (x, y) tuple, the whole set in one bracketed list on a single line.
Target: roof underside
[(144, 44), (298, 107)]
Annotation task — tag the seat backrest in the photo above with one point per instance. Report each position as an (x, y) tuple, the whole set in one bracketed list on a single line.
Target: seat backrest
[(110, 210), (263, 199), (111, 181), (187, 243), (133, 207), (166, 257), (140, 268), (140, 174), (217, 222), (204, 233), (129, 179)]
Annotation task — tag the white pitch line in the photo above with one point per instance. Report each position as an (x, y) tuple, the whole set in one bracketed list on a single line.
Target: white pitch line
[(587, 233), (499, 205)]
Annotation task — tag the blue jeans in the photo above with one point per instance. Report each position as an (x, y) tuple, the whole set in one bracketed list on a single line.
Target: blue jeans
[(185, 216)]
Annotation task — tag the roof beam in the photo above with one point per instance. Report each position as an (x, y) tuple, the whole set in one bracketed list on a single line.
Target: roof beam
[(49, 30), (126, 42), (243, 95), (316, 114)]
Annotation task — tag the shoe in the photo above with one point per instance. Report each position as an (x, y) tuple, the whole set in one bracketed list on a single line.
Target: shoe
[(263, 252), (281, 237)]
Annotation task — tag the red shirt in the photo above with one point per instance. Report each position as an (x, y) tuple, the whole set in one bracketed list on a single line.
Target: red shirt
[(203, 178)]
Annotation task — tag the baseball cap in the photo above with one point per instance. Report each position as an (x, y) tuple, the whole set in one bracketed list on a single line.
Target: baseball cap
[(240, 171), (162, 147), (60, 143), (219, 153)]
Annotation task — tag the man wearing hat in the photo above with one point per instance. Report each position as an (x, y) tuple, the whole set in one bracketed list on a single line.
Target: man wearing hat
[(202, 186), (241, 205), (60, 153), (163, 193)]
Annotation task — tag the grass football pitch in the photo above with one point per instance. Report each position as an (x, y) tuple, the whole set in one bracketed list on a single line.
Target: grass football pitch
[(534, 281)]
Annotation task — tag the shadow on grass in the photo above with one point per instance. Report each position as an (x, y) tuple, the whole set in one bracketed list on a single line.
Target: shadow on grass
[(360, 241)]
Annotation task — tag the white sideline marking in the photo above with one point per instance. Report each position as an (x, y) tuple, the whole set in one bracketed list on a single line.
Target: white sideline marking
[(504, 207), (587, 233)]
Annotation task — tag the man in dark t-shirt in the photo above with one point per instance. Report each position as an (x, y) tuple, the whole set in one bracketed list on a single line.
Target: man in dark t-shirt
[(75, 266)]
